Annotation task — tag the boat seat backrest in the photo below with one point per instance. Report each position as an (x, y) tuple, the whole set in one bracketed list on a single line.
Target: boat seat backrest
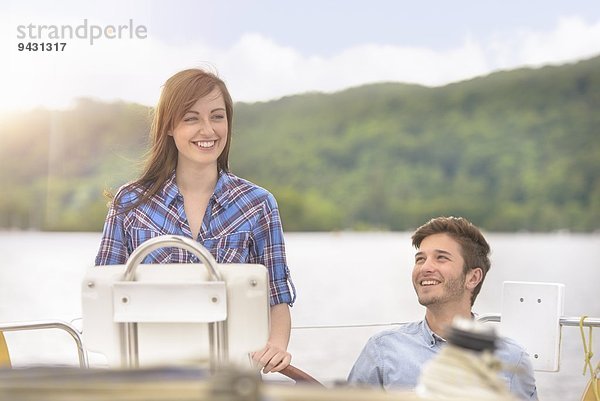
[(172, 305)]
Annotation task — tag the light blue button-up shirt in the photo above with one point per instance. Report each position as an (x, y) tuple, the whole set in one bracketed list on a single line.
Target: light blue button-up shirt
[(394, 358)]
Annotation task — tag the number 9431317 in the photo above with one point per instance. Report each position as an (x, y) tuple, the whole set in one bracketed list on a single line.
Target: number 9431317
[(42, 46)]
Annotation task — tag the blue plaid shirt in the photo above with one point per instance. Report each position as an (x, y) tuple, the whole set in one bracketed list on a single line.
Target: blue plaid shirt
[(241, 225)]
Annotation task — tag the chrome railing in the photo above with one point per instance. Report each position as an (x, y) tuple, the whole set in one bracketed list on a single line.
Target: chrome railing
[(50, 324), (217, 330), (563, 320)]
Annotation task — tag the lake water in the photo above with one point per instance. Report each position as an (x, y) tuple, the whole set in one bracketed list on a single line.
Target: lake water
[(343, 279)]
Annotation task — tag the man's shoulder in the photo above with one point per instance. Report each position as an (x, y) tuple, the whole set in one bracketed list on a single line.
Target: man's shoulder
[(410, 328), (509, 344), (509, 350), (399, 333), (521, 377)]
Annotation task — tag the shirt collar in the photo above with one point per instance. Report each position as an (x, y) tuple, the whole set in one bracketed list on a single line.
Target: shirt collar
[(223, 188), (170, 189), (431, 339)]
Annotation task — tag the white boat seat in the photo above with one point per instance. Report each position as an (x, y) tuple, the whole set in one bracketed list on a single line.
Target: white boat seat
[(172, 307)]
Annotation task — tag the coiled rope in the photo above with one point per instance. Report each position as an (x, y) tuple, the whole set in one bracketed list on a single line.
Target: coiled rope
[(457, 374)]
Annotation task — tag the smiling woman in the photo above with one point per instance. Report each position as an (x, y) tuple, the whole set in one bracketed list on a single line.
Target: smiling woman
[(186, 189)]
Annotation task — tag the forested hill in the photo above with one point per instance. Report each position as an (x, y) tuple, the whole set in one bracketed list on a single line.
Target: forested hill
[(515, 150)]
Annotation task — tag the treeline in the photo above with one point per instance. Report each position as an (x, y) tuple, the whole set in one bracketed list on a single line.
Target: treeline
[(516, 150)]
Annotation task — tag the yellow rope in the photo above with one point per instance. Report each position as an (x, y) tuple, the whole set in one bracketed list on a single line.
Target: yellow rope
[(588, 354), (4, 355)]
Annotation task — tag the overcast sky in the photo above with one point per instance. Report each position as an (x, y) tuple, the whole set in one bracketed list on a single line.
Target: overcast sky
[(268, 49)]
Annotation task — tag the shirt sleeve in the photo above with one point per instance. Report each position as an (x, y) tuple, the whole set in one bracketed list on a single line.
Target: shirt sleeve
[(522, 382), (368, 367), (113, 245), (270, 252)]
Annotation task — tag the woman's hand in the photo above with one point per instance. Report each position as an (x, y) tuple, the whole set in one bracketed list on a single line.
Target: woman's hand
[(272, 358)]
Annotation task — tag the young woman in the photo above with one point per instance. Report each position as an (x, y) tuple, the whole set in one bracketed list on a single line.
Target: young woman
[(186, 189)]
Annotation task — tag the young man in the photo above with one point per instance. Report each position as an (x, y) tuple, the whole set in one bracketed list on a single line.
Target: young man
[(450, 265)]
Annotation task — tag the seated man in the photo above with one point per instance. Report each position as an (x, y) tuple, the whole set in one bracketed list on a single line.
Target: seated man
[(450, 265)]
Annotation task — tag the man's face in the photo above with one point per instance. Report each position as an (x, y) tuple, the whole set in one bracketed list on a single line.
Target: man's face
[(438, 276)]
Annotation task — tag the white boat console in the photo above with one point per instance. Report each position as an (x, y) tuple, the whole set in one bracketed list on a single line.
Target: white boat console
[(174, 314)]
